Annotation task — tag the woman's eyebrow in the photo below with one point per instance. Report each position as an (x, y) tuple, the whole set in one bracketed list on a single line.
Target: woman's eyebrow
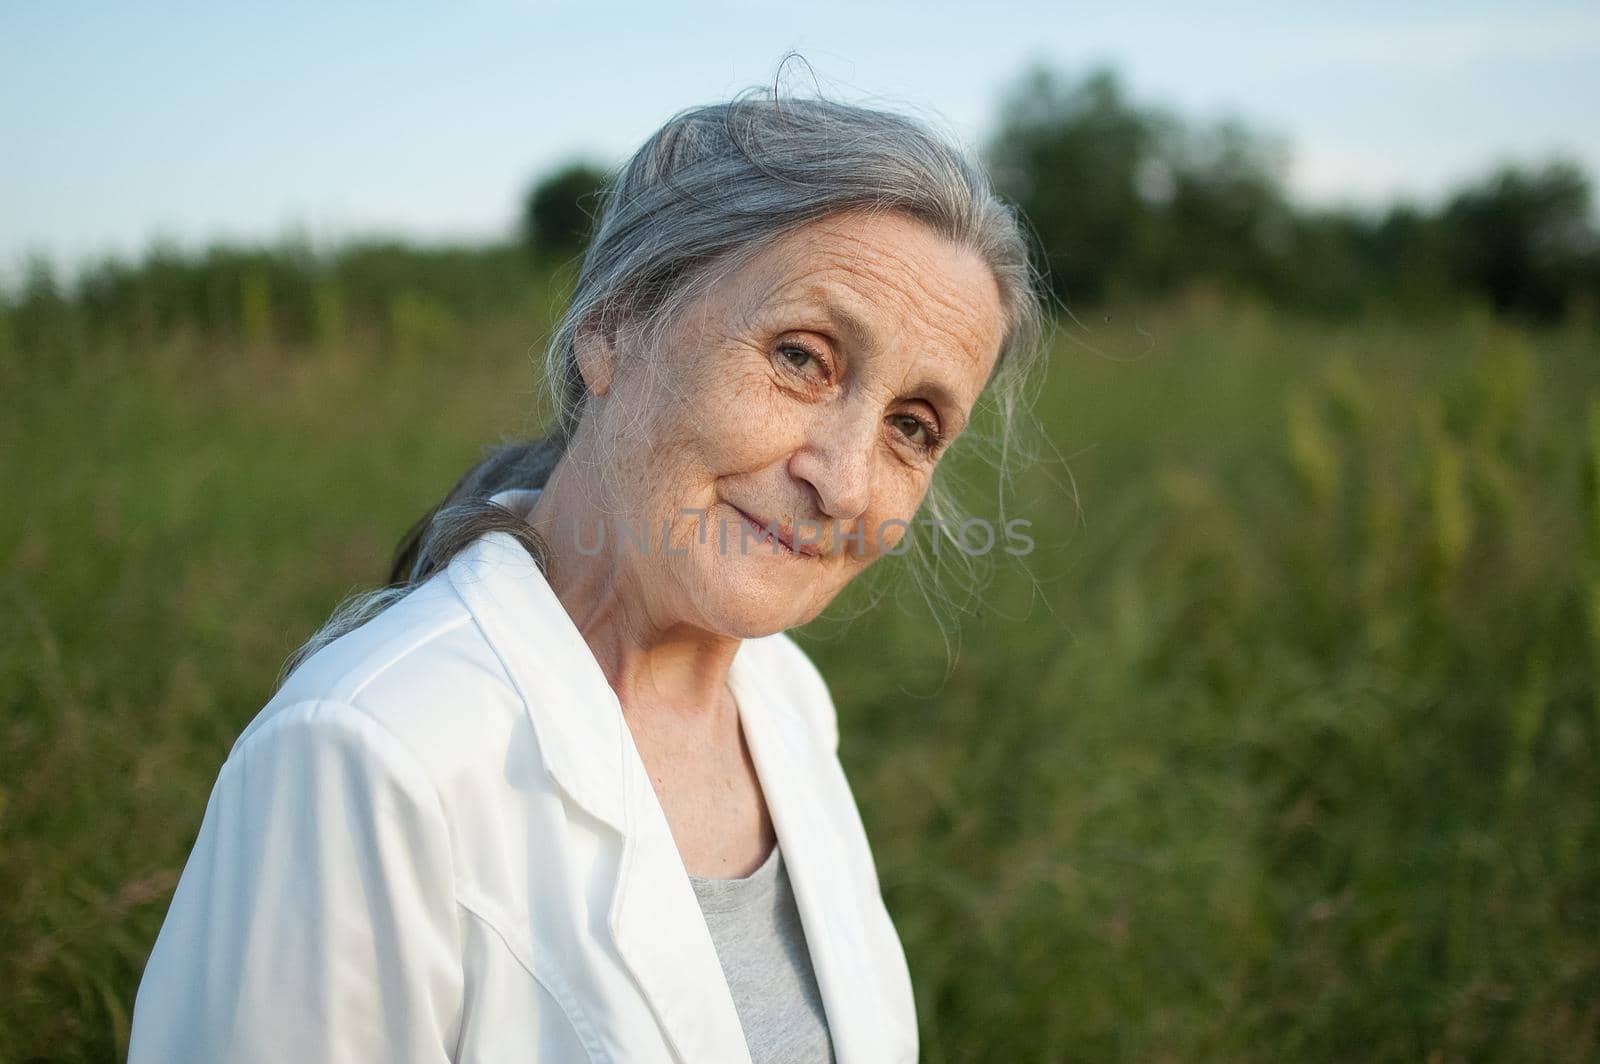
[(939, 394), (850, 326), (854, 328)]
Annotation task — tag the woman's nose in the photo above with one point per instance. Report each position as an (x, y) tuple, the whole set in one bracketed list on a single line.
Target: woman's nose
[(837, 460)]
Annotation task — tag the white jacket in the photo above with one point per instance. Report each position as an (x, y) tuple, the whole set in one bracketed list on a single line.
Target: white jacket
[(438, 843)]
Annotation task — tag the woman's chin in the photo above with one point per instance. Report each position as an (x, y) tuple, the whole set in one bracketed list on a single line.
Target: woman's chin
[(753, 596)]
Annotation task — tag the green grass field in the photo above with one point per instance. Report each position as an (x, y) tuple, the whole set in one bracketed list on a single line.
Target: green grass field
[(1283, 744)]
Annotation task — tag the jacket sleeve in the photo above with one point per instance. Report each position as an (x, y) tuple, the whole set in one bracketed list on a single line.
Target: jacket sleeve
[(315, 920)]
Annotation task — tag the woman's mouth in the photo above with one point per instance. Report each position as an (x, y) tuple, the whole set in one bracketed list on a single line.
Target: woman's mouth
[(762, 532)]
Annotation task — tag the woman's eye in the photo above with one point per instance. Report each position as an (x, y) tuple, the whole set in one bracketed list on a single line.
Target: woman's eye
[(797, 356), (916, 430), (801, 359)]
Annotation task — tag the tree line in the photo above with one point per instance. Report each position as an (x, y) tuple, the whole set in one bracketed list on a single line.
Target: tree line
[(1125, 201), (1129, 199)]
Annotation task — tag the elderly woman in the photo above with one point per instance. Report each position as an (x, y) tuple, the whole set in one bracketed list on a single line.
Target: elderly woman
[(566, 791)]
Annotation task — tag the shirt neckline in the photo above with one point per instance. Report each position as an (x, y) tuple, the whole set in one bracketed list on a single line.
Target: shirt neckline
[(724, 895)]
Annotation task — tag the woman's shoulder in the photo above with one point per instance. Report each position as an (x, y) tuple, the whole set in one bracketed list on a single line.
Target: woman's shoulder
[(421, 671)]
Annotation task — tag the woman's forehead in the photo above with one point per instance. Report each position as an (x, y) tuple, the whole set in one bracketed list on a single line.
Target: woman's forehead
[(875, 282)]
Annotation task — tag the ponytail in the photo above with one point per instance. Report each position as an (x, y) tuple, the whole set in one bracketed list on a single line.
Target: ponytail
[(466, 513), (459, 519)]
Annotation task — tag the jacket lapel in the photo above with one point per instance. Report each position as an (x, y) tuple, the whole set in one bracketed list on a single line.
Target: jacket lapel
[(859, 1021), (572, 708), (661, 933)]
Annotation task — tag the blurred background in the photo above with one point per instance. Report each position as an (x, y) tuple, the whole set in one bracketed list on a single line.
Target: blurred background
[(1281, 745)]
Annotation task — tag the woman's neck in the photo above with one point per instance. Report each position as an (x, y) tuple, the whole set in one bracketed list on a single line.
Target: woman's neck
[(655, 662)]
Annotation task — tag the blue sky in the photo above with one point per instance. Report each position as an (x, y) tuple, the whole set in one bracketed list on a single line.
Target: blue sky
[(123, 123)]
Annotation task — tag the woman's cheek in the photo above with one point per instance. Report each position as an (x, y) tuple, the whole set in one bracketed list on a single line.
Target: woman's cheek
[(749, 421)]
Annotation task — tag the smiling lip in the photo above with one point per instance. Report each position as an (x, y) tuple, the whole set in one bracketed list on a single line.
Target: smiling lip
[(785, 535)]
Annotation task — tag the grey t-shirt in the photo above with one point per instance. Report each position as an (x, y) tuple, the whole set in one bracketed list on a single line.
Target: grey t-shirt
[(756, 928)]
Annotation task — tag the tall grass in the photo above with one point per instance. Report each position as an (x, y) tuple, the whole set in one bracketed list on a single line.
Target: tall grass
[(1282, 744)]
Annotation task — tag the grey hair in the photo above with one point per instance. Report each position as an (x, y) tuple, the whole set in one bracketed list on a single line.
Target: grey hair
[(710, 190)]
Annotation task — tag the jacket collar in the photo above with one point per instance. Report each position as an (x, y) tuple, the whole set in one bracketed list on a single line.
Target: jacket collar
[(550, 665), (654, 917)]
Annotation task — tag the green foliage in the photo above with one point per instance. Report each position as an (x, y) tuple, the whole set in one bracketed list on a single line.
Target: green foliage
[(1525, 238), (557, 216), (180, 516), (1283, 747), (1128, 199), (244, 298), (1072, 156), (1294, 755)]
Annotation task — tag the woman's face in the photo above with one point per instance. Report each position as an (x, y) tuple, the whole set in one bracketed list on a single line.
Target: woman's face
[(813, 390)]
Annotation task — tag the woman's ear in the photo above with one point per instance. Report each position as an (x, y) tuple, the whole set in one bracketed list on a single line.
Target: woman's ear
[(594, 348)]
